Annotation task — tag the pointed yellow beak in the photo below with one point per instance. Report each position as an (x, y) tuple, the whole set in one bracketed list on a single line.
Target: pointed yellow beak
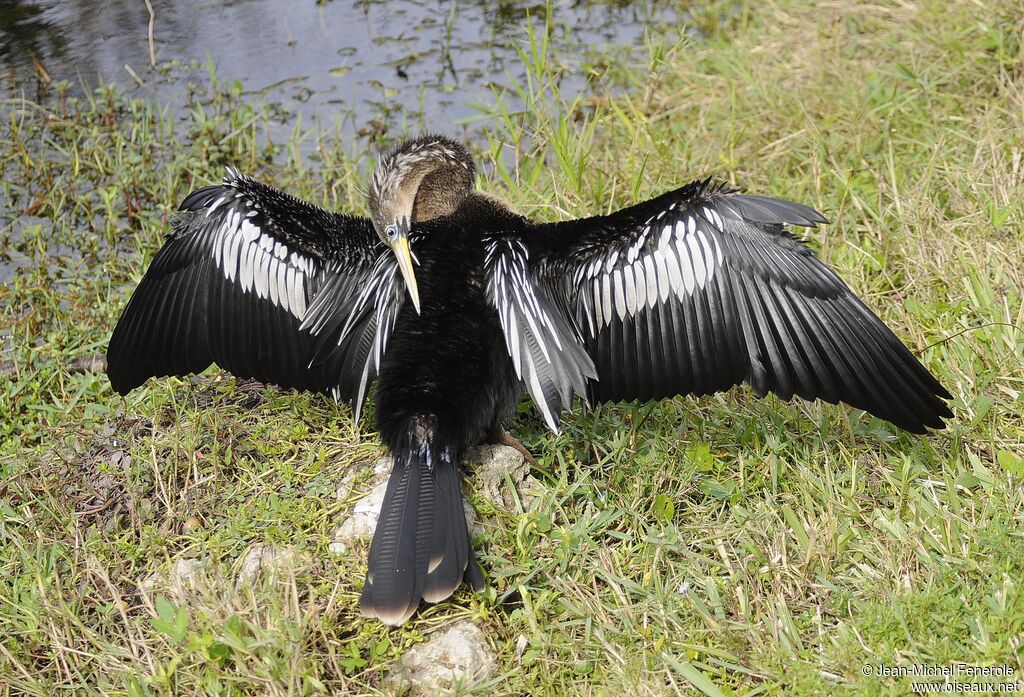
[(404, 256)]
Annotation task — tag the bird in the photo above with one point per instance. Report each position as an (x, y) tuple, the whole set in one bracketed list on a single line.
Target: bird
[(453, 308)]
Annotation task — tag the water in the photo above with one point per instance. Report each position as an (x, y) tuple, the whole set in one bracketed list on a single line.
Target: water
[(370, 65)]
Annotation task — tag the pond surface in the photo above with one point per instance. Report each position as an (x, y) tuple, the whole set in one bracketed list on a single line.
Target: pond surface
[(365, 66), (368, 64)]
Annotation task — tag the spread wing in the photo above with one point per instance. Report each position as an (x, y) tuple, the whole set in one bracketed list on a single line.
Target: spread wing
[(702, 288), (541, 337), (267, 287)]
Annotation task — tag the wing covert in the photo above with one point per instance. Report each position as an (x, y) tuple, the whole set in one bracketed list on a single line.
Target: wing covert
[(540, 336)]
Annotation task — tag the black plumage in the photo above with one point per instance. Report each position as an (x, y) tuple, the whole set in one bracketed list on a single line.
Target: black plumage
[(454, 305)]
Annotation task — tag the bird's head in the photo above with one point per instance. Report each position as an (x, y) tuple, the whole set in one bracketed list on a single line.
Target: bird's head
[(420, 179)]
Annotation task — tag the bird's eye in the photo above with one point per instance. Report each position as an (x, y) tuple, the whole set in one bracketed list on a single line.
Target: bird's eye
[(391, 231)]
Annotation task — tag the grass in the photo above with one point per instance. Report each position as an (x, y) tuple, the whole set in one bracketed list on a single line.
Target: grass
[(723, 545)]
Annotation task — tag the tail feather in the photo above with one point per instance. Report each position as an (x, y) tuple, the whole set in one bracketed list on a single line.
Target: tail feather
[(450, 546), (393, 587), (474, 575), (421, 548)]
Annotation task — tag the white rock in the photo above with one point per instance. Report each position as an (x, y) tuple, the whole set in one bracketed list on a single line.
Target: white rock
[(345, 486), (383, 466), (491, 464), (521, 643), (476, 528), (184, 575), (381, 470), (456, 657), (363, 521), (266, 560), (532, 490)]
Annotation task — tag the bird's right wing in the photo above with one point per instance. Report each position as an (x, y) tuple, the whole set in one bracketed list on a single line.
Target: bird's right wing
[(540, 335), (267, 287)]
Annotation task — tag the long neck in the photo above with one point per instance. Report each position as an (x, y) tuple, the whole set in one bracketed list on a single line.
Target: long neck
[(441, 191), (422, 179)]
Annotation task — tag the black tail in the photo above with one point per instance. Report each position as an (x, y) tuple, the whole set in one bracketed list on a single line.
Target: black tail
[(421, 547)]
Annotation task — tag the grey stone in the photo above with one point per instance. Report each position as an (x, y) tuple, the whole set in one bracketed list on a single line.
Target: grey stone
[(531, 491), (456, 657), (267, 561), (381, 470), (490, 465), (184, 576), (363, 521)]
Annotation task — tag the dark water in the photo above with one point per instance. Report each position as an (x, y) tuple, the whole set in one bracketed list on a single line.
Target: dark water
[(367, 64)]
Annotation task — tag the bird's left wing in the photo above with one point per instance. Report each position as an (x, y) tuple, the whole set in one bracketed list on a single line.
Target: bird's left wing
[(702, 288), (265, 285)]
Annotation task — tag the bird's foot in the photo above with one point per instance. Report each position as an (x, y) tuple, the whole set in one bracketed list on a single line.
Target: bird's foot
[(500, 436)]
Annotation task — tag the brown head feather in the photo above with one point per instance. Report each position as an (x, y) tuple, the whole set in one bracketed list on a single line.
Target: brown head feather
[(423, 178)]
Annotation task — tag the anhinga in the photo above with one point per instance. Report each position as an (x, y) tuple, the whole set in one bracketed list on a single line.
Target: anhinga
[(453, 304)]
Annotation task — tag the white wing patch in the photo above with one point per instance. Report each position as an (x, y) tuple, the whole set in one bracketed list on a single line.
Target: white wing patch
[(677, 258), (372, 311), (257, 262), (546, 353)]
